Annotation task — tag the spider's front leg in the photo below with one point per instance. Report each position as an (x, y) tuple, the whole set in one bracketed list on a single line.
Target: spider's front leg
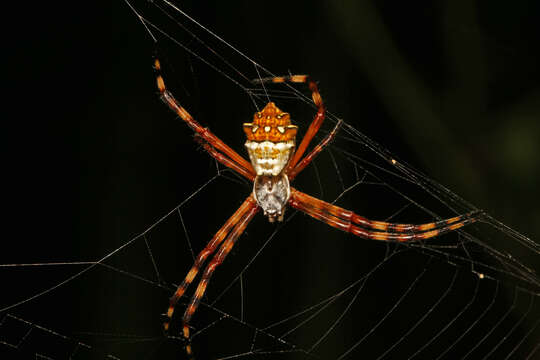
[(223, 159), (317, 120), (295, 165), (204, 133), (292, 173)]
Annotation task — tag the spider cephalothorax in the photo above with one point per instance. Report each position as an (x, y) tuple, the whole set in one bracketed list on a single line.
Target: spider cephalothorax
[(270, 142)]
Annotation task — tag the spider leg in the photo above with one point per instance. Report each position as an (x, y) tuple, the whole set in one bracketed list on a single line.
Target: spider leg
[(248, 205), (219, 257), (345, 220), (316, 150), (317, 120), (348, 215), (206, 134), (224, 159)]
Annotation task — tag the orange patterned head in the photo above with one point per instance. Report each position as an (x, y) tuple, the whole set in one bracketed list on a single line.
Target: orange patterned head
[(270, 140)]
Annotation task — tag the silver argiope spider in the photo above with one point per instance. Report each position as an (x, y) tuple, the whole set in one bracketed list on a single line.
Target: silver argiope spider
[(275, 162)]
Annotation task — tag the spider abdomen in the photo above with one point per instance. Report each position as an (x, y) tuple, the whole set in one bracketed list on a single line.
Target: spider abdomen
[(269, 158), (272, 194)]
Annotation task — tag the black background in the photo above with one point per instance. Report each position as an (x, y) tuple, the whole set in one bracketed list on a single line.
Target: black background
[(92, 156)]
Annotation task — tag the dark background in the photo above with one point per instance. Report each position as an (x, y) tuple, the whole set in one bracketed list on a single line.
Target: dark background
[(92, 156)]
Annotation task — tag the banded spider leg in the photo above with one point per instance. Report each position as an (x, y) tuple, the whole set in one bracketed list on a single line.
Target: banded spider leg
[(347, 221)]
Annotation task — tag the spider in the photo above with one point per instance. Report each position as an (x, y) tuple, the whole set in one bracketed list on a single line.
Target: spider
[(275, 162)]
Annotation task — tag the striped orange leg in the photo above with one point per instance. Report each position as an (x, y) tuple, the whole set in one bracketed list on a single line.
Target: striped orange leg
[(348, 215), (316, 150), (248, 205), (346, 220), (220, 255), (223, 159), (203, 132), (317, 120)]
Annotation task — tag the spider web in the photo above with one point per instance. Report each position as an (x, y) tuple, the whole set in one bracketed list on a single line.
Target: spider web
[(298, 289)]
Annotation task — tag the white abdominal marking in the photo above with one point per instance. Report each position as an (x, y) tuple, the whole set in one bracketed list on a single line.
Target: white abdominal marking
[(269, 158)]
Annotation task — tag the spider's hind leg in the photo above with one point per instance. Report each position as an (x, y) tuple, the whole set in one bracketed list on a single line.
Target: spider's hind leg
[(248, 205), (220, 255)]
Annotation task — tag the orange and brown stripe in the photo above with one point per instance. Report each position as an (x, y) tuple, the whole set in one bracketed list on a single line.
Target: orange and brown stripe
[(212, 245), (341, 219), (185, 331), (301, 165), (380, 225), (213, 140), (240, 225)]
